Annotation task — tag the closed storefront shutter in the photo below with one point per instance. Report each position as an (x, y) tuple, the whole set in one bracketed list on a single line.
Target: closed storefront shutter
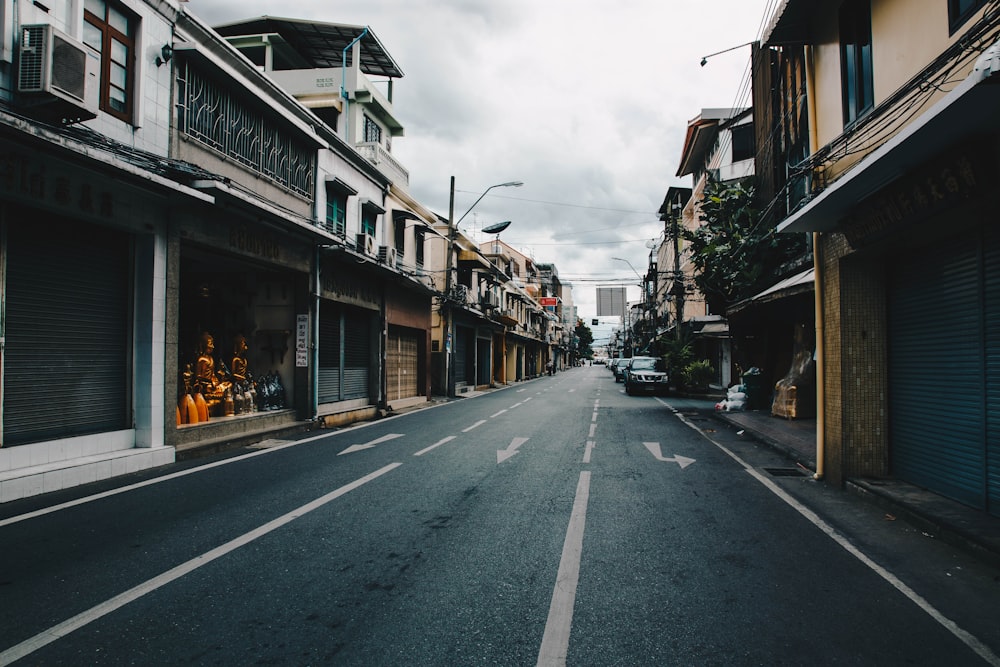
[(401, 364), (328, 390), (461, 356), (992, 328), (66, 360), (357, 353), (936, 357)]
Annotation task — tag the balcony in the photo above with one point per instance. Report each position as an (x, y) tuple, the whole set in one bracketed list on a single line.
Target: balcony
[(385, 162)]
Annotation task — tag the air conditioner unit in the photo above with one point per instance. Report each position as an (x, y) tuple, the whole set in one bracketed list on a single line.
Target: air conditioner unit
[(56, 77), (365, 244), (388, 255)]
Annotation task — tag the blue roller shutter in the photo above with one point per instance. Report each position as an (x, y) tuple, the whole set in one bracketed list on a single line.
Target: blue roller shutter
[(936, 416), (992, 313)]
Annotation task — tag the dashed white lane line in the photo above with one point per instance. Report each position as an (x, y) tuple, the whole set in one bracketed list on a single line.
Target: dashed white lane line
[(476, 425), (497, 414), (46, 637), (586, 452), (435, 445)]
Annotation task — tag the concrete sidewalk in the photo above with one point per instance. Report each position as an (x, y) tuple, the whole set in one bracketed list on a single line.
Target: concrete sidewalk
[(972, 530)]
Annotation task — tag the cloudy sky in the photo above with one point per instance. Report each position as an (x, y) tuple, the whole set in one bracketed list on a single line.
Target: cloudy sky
[(585, 101)]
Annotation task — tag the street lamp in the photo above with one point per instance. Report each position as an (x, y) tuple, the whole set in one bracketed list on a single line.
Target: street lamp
[(509, 184), (447, 323)]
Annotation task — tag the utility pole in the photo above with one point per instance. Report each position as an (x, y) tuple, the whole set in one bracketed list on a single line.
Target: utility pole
[(446, 331), (678, 285)]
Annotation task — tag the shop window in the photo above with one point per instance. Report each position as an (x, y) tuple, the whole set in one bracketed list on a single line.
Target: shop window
[(399, 234), (336, 211), (856, 59), (419, 235), (743, 142), (373, 133), (368, 216), (960, 11), (110, 31)]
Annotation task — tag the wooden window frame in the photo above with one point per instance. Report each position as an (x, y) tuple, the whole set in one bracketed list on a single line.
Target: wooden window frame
[(110, 35)]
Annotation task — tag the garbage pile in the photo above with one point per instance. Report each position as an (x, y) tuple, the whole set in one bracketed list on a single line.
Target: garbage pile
[(736, 399)]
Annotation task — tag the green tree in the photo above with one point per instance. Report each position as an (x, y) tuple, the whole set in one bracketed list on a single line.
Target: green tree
[(734, 252), (585, 338)]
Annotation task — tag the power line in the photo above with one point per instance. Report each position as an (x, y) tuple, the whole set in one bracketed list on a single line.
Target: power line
[(555, 203)]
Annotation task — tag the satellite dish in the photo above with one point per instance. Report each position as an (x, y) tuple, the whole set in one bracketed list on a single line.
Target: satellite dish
[(497, 228), (651, 244)]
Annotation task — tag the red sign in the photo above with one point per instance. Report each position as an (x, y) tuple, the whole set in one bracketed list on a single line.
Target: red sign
[(548, 300)]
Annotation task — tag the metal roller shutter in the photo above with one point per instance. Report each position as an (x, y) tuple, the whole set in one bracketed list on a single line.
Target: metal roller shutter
[(992, 327), (401, 365), (461, 356), (66, 361), (357, 353), (936, 416), (329, 389)]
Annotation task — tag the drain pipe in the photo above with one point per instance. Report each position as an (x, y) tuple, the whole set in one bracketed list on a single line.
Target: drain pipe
[(343, 83), (820, 365)]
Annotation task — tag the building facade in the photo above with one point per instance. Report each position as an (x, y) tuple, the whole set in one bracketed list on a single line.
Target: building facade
[(890, 165)]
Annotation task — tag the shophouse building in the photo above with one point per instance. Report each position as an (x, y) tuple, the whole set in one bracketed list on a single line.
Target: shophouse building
[(890, 147), (88, 196)]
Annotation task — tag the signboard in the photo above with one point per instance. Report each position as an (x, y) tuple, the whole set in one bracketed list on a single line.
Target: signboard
[(548, 301), (611, 302), (301, 341)]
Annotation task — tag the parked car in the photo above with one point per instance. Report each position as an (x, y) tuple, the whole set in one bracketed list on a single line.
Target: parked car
[(618, 367), (646, 375)]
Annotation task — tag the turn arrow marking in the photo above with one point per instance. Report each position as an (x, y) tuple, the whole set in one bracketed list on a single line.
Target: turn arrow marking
[(654, 449), (369, 445), (504, 454)]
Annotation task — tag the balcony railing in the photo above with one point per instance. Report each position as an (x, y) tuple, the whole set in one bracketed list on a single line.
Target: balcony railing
[(386, 163)]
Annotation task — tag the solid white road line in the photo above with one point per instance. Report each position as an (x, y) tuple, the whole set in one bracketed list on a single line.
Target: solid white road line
[(46, 637), (555, 641), (970, 640)]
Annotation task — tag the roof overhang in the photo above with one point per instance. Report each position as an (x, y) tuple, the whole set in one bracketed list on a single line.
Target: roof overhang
[(789, 24), (321, 44), (968, 112)]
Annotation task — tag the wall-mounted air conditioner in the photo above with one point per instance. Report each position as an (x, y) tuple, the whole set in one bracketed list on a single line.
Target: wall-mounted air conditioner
[(387, 255), (365, 244), (56, 77)]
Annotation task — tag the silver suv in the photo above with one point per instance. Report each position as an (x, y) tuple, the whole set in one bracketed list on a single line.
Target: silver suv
[(646, 375)]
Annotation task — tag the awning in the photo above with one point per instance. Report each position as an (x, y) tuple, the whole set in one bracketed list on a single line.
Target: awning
[(714, 330), (968, 111), (800, 283)]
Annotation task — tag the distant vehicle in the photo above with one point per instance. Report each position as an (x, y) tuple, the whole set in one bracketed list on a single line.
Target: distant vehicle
[(600, 361), (618, 367), (646, 375)]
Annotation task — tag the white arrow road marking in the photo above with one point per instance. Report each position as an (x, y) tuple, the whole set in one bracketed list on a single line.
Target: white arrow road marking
[(369, 445), (434, 446), (504, 454), (654, 449)]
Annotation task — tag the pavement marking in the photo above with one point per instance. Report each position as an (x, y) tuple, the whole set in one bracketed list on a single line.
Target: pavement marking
[(476, 425), (29, 646), (435, 445), (555, 641), (497, 414), (967, 638), (594, 418), (586, 452), (593, 428)]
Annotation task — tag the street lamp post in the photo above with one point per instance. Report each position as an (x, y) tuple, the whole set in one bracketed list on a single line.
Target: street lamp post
[(447, 323)]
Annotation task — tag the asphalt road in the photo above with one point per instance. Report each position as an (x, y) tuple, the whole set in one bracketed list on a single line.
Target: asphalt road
[(555, 522)]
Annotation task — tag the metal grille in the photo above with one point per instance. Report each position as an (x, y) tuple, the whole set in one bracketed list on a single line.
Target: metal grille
[(217, 119)]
